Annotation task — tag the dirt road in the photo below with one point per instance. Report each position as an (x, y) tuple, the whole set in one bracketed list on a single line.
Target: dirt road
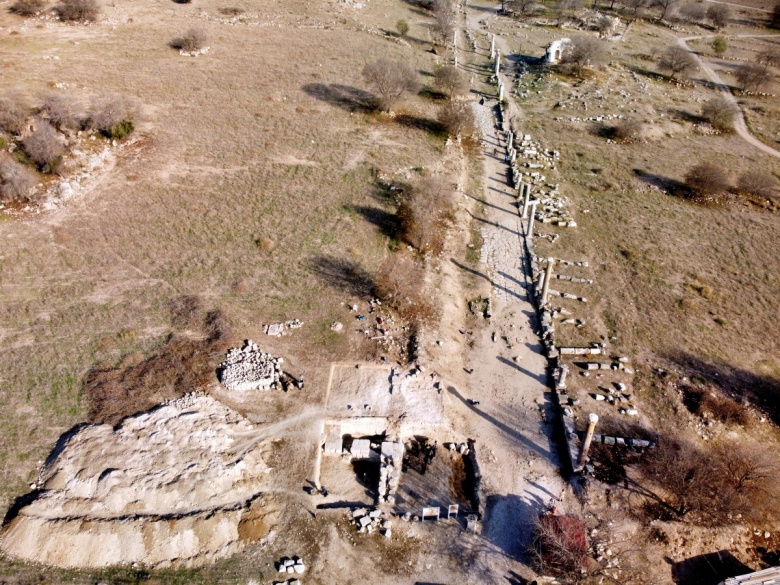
[(739, 123), (504, 402)]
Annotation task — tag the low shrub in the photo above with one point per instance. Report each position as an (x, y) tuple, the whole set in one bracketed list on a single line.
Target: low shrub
[(28, 7), (77, 10), (194, 40), (44, 147), (16, 180)]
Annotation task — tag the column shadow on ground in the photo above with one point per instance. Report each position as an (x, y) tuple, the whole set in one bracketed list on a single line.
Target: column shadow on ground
[(481, 275)]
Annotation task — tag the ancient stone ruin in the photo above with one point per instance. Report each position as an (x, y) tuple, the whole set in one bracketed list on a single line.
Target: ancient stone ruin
[(249, 368)]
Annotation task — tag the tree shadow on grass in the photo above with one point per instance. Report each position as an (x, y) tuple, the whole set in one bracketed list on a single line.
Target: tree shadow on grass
[(386, 221), (420, 123), (684, 116), (672, 186), (343, 274), (346, 97)]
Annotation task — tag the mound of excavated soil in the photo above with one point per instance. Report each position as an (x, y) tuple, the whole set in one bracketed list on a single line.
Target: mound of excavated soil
[(164, 488)]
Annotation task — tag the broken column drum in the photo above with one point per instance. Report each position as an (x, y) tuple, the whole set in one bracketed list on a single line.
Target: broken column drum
[(530, 230), (592, 420), (547, 279), (249, 368)]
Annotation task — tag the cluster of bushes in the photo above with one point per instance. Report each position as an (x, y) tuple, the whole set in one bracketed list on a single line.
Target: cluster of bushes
[(38, 134), (725, 484), (709, 184), (66, 10)]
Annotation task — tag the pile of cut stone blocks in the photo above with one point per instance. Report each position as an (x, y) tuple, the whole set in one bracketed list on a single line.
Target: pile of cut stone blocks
[(249, 368), (369, 521)]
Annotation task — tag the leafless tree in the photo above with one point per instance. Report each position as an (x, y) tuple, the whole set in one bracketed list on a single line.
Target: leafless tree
[(665, 7), (194, 40), (16, 180), (445, 22), (114, 115), (61, 110), (692, 12), (28, 7), (44, 146), (78, 10), (582, 53), (604, 25), (719, 15), (424, 213), (634, 5), (720, 112), (14, 111), (564, 10), (391, 79), (708, 183), (753, 76), (757, 182), (457, 118), (677, 61), (450, 79)]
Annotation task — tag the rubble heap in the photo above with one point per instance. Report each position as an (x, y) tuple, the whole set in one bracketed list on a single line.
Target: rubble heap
[(367, 521), (249, 368)]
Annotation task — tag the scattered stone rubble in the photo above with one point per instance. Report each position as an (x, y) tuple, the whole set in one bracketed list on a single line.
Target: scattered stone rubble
[(368, 521), (291, 565), (249, 368), (391, 461), (279, 329)]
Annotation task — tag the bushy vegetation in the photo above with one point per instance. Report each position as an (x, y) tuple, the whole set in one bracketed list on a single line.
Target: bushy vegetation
[(44, 146), (114, 116), (725, 484), (400, 283), (16, 180), (28, 7), (194, 40), (457, 118), (78, 10), (720, 113), (390, 80), (708, 183), (423, 213), (14, 111)]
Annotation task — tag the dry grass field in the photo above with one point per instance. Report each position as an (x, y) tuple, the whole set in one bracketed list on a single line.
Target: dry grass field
[(263, 137), (251, 181)]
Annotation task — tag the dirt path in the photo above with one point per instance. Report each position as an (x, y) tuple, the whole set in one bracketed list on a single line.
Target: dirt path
[(501, 399), (740, 6), (739, 123)]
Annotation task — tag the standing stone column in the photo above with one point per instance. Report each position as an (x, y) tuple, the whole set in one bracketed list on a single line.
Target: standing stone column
[(498, 62), (592, 420), (510, 140), (547, 279), (530, 231), (526, 199), (492, 46), (500, 91)]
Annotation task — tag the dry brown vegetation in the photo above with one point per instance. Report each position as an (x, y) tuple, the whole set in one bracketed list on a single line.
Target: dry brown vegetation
[(423, 213), (194, 40), (400, 283), (77, 10), (15, 180), (390, 80), (723, 484), (27, 7), (707, 183)]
